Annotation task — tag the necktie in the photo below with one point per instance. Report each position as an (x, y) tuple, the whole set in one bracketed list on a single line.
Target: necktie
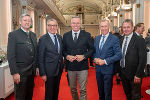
[(27, 33), (75, 38), (56, 42), (102, 43), (122, 62)]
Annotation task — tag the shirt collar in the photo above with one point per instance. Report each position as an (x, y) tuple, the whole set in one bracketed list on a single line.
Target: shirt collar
[(129, 36), (51, 35), (75, 32), (137, 33), (106, 35), (24, 30)]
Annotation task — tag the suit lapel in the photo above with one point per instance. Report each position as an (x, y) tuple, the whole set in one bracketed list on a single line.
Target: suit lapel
[(107, 41), (131, 43), (60, 42), (50, 41), (33, 39), (79, 37)]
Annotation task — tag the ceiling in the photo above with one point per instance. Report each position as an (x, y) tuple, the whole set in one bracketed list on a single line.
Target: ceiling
[(59, 9), (68, 7)]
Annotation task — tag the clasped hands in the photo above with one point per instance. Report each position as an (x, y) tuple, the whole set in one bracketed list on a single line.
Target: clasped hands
[(71, 58), (99, 61)]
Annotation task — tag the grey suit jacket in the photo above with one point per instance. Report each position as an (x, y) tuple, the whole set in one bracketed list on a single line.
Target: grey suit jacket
[(49, 60), (21, 60)]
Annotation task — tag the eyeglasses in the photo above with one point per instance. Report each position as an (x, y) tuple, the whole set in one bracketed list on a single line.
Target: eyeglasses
[(52, 25)]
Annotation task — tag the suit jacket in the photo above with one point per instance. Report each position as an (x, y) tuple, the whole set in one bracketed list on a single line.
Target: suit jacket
[(21, 60), (135, 58), (147, 41), (83, 46), (49, 60), (111, 52)]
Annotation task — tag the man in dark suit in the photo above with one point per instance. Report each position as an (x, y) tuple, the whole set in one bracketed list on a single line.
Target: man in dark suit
[(139, 29), (50, 60), (107, 52), (21, 54), (78, 47), (133, 61)]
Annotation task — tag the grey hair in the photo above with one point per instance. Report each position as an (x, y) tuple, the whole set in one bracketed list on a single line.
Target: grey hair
[(52, 19), (128, 21), (25, 14), (75, 17), (104, 20), (116, 29)]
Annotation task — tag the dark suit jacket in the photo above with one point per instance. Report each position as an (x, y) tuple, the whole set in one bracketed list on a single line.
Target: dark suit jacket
[(20, 58), (83, 46), (135, 59), (147, 41), (111, 52), (49, 60)]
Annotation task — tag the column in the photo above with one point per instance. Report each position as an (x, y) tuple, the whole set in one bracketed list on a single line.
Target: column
[(23, 4), (139, 11), (40, 12), (6, 22), (121, 17)]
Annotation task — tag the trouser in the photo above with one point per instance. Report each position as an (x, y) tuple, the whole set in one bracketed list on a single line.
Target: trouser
[(104, 82), (24, 90), (132, 90), (81, 76), (52, 87)]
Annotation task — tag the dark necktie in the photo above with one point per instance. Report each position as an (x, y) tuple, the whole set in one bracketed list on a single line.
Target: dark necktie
[(122, 62), (102, 43), (75, 38), (56, 42)]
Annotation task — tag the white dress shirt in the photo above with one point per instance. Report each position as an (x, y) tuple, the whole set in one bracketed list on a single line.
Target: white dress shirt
[(53, 39), (73, 35), (129, 38), (106, 36)]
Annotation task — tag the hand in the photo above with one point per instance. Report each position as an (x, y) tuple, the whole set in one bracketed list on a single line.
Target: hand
[(79, 57), (71, 58), (37, 71), (44, 78), (96, 60), (137, 80), (101, 62), (117, 76), (16, 78)]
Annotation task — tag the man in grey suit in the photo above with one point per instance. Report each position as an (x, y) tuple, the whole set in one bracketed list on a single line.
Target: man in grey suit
[(50, 60), (21, 54)]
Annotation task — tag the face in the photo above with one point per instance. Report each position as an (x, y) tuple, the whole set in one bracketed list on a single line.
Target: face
[(127, 28), (75, 24), (25, 22), (104, 27), (141, 29), (52, 27)]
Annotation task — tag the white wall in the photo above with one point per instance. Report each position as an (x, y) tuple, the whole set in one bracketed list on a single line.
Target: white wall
[(5, 22), (146, 16)]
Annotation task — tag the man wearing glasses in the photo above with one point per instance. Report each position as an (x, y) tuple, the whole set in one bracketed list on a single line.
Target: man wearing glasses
[(50, 60), (78, 47)]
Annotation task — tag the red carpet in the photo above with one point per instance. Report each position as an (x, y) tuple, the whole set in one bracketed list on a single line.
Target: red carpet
[(92, 92)]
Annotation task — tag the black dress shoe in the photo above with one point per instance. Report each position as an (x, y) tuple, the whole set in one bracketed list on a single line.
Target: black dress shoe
[(118, 81)]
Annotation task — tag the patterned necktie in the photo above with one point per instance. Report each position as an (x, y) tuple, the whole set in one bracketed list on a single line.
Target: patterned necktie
[(122, 62), (75, 38), (102, 43), (56, 42)]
